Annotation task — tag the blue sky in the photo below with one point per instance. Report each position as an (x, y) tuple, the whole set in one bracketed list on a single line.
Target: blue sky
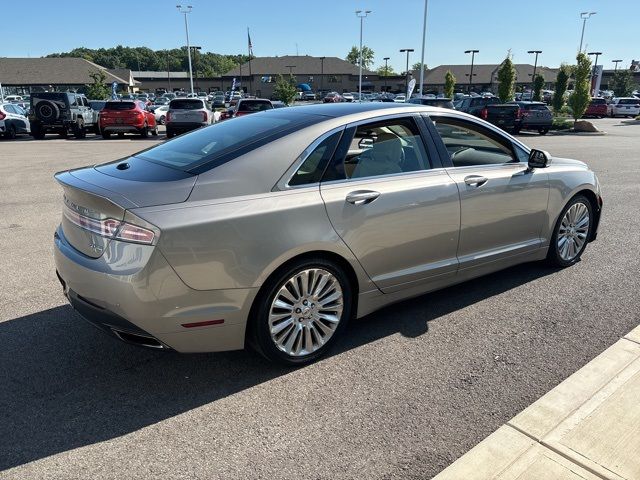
[(330, 28)]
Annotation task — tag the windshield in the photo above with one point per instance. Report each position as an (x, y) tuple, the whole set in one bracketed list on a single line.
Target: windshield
[(97, 105), (210, 145), (628, 101)]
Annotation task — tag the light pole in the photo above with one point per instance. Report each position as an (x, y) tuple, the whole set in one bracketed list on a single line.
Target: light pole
[(584, 16), (168, 74), (321, 72), (595, 67), (195, 64), (406, 77), (361, 14), (473, 55), (386, 71), (185, 11), (424, 35), (616, 62), (535, 65), (240, 62)]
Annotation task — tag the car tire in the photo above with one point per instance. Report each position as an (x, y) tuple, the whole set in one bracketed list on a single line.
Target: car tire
[(161, 120), (120, 134), (106, 135), (290, 338), (11, 132), (543, 131), (144, 133), (79, 130), (154, 132), (38, 132), (170, 133), (47, 111), (64, 133), (516, 130), (570, 227)]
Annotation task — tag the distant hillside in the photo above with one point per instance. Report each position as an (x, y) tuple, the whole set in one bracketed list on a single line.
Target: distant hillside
[(143, 58)]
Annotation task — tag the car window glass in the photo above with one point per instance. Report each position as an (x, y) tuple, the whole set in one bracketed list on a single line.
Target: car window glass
[(381, 148), (9, 109), (72, 101), (470, 144), (312, 168)]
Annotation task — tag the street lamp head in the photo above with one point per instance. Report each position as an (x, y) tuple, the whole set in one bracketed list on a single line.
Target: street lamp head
[(471, 51), (362, 13), (594, 53), (534, 51), (585, 15), (389, 58), (619, 60), (406, 50)]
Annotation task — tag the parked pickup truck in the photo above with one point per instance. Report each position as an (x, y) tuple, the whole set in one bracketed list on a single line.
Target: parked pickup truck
[(503, 115)]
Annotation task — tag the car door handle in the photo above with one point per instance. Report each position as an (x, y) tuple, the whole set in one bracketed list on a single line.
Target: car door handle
[(361, 197), (475, 180)]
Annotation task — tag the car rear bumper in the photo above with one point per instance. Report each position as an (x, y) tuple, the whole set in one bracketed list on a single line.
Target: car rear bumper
[(185, 126), (133, 293), (120, 129)]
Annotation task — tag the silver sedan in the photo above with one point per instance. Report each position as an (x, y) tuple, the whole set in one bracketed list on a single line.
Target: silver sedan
[(274, 229)]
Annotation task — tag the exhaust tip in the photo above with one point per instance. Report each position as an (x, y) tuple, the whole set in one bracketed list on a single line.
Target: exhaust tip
[(137, 339)]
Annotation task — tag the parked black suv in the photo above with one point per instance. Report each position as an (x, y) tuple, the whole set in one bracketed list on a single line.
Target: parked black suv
[(61, 112)]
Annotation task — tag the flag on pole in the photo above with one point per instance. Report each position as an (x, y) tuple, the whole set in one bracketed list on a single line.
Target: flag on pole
[(249, 43)]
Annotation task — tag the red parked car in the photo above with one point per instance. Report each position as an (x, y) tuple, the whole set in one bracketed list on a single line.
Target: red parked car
[(332, 97), (597, 108), (127, 116), (245, 106)]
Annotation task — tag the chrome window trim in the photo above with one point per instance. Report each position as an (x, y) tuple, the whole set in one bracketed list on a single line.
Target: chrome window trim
[(283, 183), (387, 177)]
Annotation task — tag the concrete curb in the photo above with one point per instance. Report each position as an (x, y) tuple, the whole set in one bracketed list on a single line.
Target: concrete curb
[(588, 427)]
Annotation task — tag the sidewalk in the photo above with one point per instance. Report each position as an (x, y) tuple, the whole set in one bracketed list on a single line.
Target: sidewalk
[(588, 427)]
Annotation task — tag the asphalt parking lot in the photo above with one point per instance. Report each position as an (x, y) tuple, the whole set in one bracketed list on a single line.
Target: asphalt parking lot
[(411, 388)]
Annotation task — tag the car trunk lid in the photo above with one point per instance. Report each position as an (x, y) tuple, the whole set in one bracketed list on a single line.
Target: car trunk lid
[(97, 198)]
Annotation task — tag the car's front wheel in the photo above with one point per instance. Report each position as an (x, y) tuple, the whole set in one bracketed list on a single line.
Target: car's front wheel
[(302, 312), (571, 233)]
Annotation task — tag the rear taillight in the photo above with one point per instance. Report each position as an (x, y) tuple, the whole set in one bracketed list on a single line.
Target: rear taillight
[(2, 115), (110, 228), (204, 116), (167, 117), (484, 113)]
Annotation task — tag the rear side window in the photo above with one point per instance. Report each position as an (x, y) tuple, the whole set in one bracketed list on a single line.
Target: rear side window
[(254, 106), (209, 147), (312, 168), (185, 104), (598, 101), (119, 106)]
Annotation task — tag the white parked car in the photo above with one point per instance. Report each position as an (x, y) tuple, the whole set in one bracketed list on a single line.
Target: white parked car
[(626, 106), (400, 98), (186, 114), (161, 114), (347, 97), (13, 120)]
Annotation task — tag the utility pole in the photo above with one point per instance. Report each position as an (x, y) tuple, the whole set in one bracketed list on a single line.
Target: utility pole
[(473, 54), (386, 71), (406, 78), (321, 71), (168, 74), (361, 15), (584, 16), (535, 64), (186, 11), (424, 35)]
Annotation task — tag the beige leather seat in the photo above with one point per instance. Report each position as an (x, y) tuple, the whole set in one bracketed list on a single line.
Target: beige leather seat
[(383, 159)]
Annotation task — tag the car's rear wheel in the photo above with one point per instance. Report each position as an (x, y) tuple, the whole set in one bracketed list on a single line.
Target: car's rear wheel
[(144, 133), (154, 132), (302, 312), (571, 233), (120, 134), (11, 132), (543, 131), (37, 131), (79, 130), (64, 133)]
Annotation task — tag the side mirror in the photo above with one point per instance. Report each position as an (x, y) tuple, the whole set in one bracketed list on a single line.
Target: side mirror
[(538, 159)]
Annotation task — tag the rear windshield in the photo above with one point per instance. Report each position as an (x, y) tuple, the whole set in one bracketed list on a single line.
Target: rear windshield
[(186, 104), (119, 106), (598, 101), (254, 106), (628, 101), (214, 145), (54, 96), (97, 105), (537, 106)]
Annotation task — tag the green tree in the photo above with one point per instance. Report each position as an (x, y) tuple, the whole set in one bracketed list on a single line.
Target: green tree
[(622, 83), (538, 83), (580, 98), (285, 89), (382, 71), (354, 57), (562, 81), (506, 80), (449, 84), (416, 69), (98, 89)]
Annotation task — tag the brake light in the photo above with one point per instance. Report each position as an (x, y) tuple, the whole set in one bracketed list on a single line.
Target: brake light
[(110, 228), (167, 117), (484, 113), (204, 116), (2, 115)]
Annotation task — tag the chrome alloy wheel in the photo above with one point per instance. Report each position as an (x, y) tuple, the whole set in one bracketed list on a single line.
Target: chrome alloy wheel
[(305, 312), (573, 231)]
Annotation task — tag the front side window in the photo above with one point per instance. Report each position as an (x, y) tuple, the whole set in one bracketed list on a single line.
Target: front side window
[(469, 144), (381, 148)]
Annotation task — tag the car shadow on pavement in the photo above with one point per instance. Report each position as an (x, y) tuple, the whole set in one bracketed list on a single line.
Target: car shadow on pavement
[(65, 384)]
